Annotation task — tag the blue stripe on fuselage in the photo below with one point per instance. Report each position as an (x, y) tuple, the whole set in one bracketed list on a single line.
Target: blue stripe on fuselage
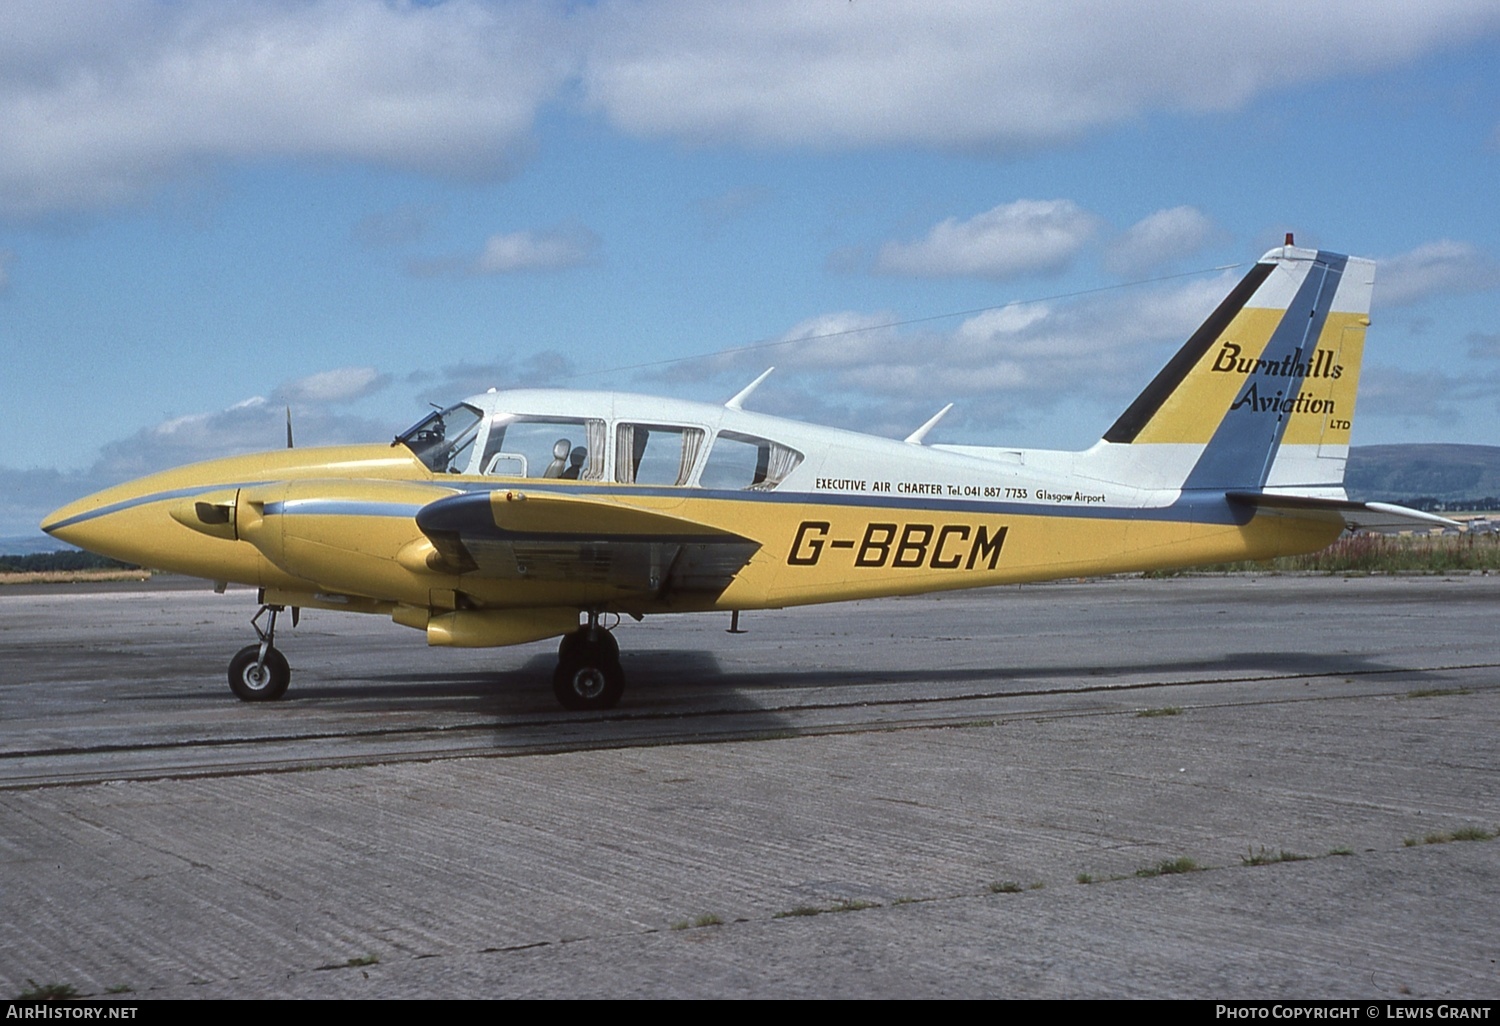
[(1207, 506)]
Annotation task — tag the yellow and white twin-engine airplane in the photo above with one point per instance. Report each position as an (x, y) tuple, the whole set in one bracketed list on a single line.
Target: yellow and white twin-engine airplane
[(508, 517)]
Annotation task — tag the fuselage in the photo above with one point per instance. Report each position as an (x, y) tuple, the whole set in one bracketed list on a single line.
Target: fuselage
[(830, 515)]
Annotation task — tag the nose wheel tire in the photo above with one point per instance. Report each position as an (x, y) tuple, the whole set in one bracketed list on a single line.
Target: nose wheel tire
[(254, 680)]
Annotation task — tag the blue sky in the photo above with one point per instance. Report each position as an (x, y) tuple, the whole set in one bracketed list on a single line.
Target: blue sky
[(210, 212)]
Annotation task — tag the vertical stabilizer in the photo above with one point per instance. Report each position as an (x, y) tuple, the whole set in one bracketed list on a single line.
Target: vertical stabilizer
[(1262, 395)]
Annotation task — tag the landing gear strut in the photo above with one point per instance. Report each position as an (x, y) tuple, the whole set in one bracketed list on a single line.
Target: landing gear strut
[(259, 673), (588, 674)]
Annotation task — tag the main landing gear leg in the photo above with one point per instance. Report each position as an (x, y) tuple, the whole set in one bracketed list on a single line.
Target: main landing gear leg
[(259, 673), (588, 674)]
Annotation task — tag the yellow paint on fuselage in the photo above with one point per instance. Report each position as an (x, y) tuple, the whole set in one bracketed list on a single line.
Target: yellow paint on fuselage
[(133, 521), (916, 556), (810, 552)]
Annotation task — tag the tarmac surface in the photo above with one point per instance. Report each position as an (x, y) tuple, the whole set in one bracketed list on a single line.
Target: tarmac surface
[(949, 796)]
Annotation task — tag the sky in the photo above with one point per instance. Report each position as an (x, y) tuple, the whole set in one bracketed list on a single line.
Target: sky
[(212, 213)]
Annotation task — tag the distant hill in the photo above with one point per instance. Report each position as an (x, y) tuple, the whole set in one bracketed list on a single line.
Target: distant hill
[(30, 544), (1452, 476)]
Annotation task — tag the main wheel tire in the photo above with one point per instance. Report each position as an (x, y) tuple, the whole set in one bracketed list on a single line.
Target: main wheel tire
[(585, 686), (575, 647), (264, 683)]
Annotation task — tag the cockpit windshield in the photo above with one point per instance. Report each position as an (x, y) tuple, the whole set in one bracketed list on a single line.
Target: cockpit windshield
[(444, 439)]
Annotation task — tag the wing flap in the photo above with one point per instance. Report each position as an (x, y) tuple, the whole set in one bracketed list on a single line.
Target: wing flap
[(1383, 517), (512, 535)]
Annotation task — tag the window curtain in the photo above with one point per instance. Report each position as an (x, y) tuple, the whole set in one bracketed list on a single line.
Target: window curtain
[(692, 442), (783, 462), (624, 453), (593, 470)]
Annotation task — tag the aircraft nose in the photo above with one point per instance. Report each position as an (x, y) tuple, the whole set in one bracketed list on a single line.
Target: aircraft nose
[(124, 522), (60, 523), (84, 523)]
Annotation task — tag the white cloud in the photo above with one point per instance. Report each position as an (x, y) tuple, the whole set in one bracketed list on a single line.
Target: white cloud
[(1024, 237), (1002, 366), (551, 250), (522, 252), (102, 104), (6, 256), (1434, 268), (547, 368), (1158, 239), (978, 74), (343, 384), (252, 425), (1007, 320)]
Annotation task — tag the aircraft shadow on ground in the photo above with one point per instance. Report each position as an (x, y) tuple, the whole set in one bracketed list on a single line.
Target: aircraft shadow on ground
[(666, 677)]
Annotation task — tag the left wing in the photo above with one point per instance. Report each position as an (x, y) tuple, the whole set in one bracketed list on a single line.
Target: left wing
[(522, 536), (1366, 516)]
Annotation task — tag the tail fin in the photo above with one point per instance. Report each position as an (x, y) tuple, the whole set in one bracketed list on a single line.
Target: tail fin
[(1264, 391)]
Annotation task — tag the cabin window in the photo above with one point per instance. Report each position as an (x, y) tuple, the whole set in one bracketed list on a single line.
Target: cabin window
[(742, 462), (545, 447), (444, 440), (656, 454)]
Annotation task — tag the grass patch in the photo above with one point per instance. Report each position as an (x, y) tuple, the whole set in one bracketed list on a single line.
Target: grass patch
[(1085, 878), (1005, 887), (1343, 850), (1166, 710), (1378, 553), (1471, 834), (1266, 858), (73, 576), (800, 910), (1437, 692), (120, 988), (47, 991), (847, 905), (1461, 834), (1170, 867), (706, 919)]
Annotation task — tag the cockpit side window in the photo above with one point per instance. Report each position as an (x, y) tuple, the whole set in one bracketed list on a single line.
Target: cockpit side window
[(544, 447), (657, 454), (744, 462), (444, 439)]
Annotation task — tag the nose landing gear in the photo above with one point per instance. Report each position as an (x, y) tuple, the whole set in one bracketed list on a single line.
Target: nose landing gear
[(259, 673)]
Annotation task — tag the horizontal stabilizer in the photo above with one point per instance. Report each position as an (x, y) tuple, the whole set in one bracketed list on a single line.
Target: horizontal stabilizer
[(1383, 517), (540, 537)]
